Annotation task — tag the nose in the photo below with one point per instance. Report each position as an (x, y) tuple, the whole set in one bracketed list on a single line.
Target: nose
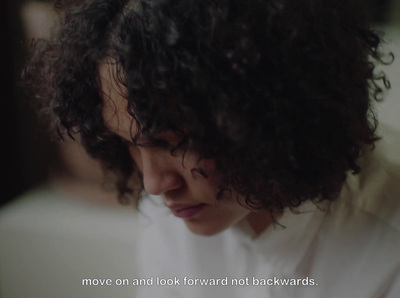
[(160, 171)]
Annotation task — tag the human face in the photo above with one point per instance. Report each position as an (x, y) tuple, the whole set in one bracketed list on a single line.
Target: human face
[(189, 195)]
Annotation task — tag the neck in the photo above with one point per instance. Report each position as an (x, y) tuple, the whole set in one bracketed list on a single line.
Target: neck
[(259, 221)]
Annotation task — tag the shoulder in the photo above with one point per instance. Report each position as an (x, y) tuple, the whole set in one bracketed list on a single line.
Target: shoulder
[(376, 190), (358, 239)]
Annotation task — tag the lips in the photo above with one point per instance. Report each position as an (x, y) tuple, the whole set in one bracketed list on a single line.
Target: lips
[(186, 211)]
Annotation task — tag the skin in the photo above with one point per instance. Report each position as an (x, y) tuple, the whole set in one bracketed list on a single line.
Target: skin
[(170, 177)]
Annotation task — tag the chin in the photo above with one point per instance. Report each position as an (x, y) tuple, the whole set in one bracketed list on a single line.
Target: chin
[(203, 229)]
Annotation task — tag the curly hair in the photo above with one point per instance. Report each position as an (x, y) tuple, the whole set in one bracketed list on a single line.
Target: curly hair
[(278, 92)]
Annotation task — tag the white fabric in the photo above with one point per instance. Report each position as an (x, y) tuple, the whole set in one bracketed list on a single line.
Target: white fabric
[(349, 248), (50, 241)]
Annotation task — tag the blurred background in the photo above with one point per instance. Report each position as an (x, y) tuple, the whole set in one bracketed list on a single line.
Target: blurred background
[(57, 224)]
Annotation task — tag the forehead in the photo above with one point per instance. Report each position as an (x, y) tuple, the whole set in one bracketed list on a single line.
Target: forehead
[(114, 102)]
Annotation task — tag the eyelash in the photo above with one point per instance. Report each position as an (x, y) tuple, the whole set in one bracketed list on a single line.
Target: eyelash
[(157, 143), (178, 148), (199, 171), (172, 148)]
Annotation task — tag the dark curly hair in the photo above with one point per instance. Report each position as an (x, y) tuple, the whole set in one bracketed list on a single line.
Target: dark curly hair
[(278, 92)]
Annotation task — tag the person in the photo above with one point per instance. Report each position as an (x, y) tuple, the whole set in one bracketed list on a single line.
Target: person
[(252, 122)]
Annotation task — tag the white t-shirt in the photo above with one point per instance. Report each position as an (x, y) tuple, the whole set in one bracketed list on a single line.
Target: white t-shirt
[(348, 248)]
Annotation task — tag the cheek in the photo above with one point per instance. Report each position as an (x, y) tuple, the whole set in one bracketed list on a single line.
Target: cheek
[(209, 167)]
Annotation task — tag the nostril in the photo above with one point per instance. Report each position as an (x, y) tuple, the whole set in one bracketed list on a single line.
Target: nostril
[(157, 185)]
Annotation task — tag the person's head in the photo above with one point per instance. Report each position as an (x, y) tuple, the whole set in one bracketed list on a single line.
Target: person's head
[(242, 105)]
